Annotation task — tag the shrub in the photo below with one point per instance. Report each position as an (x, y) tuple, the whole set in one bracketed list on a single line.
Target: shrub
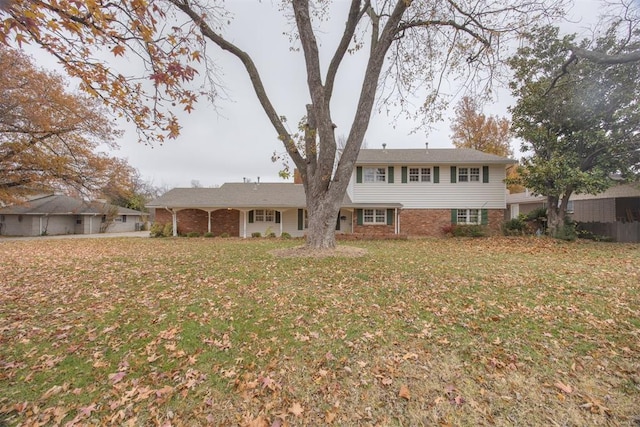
[(448, 229), (167, 230), (224, 235), (567, 231), (537, 214), (207, 234), (156, 230), (285, 235), (513, 227), (463, 230), (193, 234), (271, 235), (256, 234)]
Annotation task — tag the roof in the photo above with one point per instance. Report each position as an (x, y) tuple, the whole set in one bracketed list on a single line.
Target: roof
[(236, 195), (441, 156), (617, 191), (55, 204)]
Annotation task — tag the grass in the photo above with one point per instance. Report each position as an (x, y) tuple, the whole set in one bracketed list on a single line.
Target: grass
[(496, 331)]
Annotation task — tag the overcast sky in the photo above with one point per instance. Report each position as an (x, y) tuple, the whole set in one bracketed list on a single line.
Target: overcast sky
[(236, 141)]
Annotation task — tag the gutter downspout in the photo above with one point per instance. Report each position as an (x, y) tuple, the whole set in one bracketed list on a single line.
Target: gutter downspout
[(209, 221)]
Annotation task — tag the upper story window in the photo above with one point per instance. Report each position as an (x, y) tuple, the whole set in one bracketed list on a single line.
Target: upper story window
[(419, 174), (264, 215), (375, 174), (468, 174)]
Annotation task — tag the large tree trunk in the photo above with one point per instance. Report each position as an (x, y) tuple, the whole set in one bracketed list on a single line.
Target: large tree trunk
[(556, 212)]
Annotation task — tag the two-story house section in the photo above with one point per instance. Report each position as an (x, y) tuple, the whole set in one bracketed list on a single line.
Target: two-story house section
[(435, 187)]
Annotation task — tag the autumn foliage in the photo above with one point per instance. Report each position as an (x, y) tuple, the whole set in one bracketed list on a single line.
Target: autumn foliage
[(49, 137)]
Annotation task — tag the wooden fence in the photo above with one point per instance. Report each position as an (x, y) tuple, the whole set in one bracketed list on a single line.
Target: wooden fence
[(619, 231)]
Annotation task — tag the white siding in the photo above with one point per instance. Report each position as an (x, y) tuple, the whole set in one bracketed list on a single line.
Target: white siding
[(290, 224), (443, 195)]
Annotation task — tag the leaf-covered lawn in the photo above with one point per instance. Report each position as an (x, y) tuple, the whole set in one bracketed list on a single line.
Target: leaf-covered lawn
[(221, 332)]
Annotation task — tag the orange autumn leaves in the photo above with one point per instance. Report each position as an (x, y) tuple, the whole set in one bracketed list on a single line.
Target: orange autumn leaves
[(49, 137)]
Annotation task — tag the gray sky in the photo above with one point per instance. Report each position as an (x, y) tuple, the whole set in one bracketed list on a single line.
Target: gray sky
[(235, 140)]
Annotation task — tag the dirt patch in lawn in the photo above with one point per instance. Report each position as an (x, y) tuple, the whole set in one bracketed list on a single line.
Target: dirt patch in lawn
[(304, 252)]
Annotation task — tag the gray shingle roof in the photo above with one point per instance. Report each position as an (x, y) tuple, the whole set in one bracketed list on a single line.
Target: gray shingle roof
[(236, 195), (61, 205), (429, 156)]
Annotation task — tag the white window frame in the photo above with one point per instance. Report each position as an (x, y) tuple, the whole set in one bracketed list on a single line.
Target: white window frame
[(264, 215), (469, 174), (374, 216), (469, 216), (419, 174), (374, 174)]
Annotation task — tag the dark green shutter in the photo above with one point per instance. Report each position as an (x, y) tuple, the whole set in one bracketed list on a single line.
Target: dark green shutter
[(404, 174), (250, 217), (359, 174), (338, 222), (360, 216), (436, 174), (390, 180), (484, 216), (454, 174), (485, 174), (300, 219), (277, 217), (454, 216), (389, 216)]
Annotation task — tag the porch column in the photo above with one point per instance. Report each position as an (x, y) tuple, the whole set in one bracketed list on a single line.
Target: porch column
[(244, 224), (174, 217), (281, 221), (209, 221)]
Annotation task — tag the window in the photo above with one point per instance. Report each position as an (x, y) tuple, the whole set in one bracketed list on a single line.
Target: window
[(79, 220), (419, 174), (1, 218), (264, 215), (375, 216), (468, 216), (468, 174), (375, 174), (124, 218)]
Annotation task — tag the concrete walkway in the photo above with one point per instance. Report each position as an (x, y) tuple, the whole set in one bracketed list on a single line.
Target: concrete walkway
[(79, 236)]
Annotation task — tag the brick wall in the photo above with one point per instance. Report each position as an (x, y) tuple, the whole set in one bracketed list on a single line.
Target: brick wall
[(430, 222), (373, 230), (222, 221)]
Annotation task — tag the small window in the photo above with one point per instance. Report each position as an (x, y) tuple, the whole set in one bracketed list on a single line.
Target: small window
[(375, 175), (124, 218), (468, 174), (468, 216), (79, 221), (19, 218), (474, 174), (419, 174), (374, 216), (264, 215)]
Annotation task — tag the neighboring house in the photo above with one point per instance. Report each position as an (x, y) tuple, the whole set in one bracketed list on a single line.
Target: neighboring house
[(618, 206), (392, 191), (56, 214)]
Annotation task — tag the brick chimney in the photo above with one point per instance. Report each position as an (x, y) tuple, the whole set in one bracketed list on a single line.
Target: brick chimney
[(297, 178)]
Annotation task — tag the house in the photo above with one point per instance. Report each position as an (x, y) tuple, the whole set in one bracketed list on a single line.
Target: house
[(614, 212), (57, 214), (391, 191)]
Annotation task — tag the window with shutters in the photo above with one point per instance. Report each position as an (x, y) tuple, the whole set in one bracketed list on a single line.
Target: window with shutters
[(264, 215), (468, 174), (375, 216), (468, 216), (375, 174), (419, 174)]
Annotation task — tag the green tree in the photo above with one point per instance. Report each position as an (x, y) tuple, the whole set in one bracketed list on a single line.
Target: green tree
[(579, 121), (409, 45)]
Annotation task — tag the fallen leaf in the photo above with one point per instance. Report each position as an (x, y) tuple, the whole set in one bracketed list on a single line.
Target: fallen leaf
[(296, 409), (404, 392), (117, 377), (564, 387)]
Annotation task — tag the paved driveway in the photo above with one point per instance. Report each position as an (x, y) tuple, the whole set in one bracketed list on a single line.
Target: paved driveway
[(79, 236)]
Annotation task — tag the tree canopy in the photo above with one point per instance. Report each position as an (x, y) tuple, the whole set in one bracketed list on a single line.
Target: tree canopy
[(579, 126), (49, 136), (410, 45)]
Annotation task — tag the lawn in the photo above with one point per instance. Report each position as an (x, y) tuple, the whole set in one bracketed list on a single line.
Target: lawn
[(195, 331)]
